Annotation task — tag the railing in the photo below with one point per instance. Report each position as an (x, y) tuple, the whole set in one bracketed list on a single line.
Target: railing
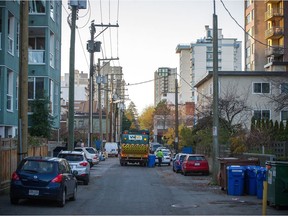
[(274, 50), (274, 12), (36, 56), (275, 32)]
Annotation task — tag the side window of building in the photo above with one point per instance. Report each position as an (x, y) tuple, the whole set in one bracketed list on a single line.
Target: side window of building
[(284, 115), (284, 88), (260, 88), (261, 114)]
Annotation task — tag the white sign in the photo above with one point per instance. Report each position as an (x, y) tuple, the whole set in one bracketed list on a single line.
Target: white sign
[(135, 137)]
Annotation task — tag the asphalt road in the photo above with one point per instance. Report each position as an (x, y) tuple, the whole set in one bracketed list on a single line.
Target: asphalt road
[(135, 190)]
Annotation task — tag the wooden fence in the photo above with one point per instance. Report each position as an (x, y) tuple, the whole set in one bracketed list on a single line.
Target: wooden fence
[(8, 159)]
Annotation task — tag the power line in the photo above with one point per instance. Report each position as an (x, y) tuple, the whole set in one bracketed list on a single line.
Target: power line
[(247, 33)]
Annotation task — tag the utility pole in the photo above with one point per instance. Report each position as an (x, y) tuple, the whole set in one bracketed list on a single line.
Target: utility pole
[(215, 98), (99, 81), (72, 80), (22, 148), (90, 47), (176, 115)]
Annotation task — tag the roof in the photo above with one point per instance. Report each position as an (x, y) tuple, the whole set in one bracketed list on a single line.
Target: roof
[(242, 73)]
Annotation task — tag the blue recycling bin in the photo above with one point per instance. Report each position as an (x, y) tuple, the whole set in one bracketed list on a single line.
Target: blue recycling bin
[(261, 176), (235, 176), (151, 160), (251, 179)]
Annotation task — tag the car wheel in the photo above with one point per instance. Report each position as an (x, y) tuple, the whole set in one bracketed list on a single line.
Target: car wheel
[(62, 201), (14, 201), (73, 198)]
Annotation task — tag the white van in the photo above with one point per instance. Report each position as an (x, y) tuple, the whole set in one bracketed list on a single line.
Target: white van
[(111, 148)]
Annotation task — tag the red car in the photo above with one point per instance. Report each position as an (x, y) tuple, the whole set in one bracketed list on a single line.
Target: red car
[(195, 163)]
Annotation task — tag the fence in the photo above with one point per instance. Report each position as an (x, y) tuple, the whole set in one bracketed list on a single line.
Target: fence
[(8, 159)]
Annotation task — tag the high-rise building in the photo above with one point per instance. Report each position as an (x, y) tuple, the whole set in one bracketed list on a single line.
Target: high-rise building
[(266, 24), (185, 80), (201, 59), (44, 57), (164, 84)]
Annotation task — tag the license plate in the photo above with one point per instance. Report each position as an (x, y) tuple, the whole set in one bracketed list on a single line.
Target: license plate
[(34, 192), (197, 164)]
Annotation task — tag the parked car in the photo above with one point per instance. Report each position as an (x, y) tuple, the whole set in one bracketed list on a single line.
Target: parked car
[(92, 157), (195, 163), (48, 178), (165, 160), (111, 148), (177, 162), (78, 161), (154, 146)]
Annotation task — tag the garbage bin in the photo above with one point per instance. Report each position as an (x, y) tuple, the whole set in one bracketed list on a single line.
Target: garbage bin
[(151, 160), (251, 179), (277, 179), (225, 162), (235, 175), (261, 176)]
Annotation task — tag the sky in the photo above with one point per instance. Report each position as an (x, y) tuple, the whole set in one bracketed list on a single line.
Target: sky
[(147, 36)]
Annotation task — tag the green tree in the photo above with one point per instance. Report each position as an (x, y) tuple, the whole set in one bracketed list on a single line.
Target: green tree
[(41, 120), (185, 137), (126, 123), (132, 115)]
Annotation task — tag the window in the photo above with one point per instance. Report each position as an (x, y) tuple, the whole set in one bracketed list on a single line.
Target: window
[(52, 10), (284, 88), (284, 115), (17, 39), (36, 52), (17, 92), (36, 6), (52, 49), (9, 91), (11, 34), (261, 88), (35, 84), (261, 114), (0, 33)]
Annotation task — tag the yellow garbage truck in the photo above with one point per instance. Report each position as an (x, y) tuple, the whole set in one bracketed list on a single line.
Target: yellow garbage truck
[(134, 147)]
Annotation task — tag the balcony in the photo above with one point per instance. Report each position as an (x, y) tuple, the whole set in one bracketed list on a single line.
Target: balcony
[(274, 32), (10, 45), (272, 1), (274, 13), (274, 50), (36, 56)]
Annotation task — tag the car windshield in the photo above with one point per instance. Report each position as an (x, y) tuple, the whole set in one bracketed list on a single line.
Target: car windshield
[(182, 157), (91, 150), (166, 153), (194, 158), (38, 166), (71, 157)]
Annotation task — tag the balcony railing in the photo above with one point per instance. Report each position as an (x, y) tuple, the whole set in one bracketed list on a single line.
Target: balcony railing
[(36, 56), (274, 50), (274, 32), (274, 12)]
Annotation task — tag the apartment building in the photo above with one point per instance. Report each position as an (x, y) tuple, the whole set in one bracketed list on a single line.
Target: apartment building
[(185, 80), (201, 59), (164, 84), (44, 57), (266, 24), (253, 90)]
